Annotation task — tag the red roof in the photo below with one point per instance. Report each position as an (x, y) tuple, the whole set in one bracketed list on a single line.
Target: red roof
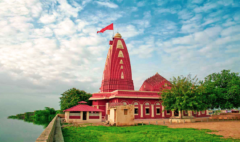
[(153, 80), (82, 107), (82, 102)]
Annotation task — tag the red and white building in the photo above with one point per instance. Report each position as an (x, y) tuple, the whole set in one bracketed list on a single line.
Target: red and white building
[(117, 86), (83, 113)]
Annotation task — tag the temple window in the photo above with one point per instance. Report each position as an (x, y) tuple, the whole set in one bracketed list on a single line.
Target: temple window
[(74, 115), (135, 103), (121, 67), (158, 111), (122, 76), (119, 44), (147, 104), (135, 110), (157, 104), (121, 62), (124, 103), (203, 112), (147, 111), (125, 111), (168, 111), (120, 54), (93, 113)]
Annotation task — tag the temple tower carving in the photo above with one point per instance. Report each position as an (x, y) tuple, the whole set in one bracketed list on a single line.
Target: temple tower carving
[(117, 74)]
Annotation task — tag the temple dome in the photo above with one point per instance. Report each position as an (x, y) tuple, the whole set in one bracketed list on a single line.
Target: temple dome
[(117, 35), (154, 83)]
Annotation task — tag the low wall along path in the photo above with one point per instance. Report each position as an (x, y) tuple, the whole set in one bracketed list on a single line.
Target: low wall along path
[(52, 133)]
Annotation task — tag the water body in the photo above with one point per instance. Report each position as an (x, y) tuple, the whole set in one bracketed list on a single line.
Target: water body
[(13, 130)]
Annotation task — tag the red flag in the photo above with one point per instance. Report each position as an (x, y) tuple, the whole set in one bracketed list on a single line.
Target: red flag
[(109, 27)]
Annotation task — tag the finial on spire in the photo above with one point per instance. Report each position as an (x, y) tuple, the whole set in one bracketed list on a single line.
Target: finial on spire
[(117, 35)]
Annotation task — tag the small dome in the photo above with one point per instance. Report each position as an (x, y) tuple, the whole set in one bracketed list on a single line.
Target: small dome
[(117, 35)]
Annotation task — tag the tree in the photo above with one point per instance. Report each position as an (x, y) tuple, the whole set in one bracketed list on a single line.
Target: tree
[(186, 93), (223, 89), (71, 98)]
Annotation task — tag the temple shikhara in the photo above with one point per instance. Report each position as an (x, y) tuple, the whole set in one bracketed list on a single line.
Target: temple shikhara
[(117, 102), (117, 87)]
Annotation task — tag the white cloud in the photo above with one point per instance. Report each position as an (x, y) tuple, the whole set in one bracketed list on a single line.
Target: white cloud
[(81, 24), (165, 29), (237, 16), (66, 27), (192, 25), (206, 7), (211, 21), (166, 10), (144, 49), (43, 32), (69, 10), (229, 22), (197, 1), (97, 18), (231, 31), (141, 3), (185, 14), (129, 31), (107, 4), (46, 19), (20, 8)]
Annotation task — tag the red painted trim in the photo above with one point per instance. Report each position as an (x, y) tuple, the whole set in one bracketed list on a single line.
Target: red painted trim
[(74, 117), (93, 117)]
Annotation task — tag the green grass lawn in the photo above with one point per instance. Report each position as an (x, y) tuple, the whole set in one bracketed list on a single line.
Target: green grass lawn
[(145, 133)]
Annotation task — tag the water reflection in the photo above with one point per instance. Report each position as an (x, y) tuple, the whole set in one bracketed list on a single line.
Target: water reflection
[(43, 122)]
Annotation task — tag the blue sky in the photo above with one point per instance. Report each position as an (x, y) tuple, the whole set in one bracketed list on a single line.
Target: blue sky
[(47, 47)]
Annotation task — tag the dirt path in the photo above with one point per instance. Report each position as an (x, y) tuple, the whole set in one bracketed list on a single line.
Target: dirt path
[(228, 129)]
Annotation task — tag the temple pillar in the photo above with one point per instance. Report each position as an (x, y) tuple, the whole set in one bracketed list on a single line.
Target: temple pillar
[(180, 114), (199, 113), (152, 110), (87, 116), (141, 110), (81, 115), (163, 111), (107, 104), (100, 116), (189, 113)]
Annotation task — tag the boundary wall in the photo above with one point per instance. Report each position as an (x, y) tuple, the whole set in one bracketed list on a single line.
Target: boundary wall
[(50, 131)]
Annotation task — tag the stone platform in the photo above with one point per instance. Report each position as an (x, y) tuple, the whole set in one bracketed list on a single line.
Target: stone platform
[(183, 120)]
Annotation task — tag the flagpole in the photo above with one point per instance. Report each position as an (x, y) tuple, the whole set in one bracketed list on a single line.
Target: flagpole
[(113, 30)]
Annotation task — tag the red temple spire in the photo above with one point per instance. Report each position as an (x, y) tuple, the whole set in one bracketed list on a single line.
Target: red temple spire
[(117, 74)]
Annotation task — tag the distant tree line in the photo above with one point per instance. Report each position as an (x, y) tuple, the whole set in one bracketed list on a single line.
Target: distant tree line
[(40, 117)]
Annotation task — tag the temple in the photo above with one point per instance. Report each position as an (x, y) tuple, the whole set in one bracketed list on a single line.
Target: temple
[(117, 87)]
